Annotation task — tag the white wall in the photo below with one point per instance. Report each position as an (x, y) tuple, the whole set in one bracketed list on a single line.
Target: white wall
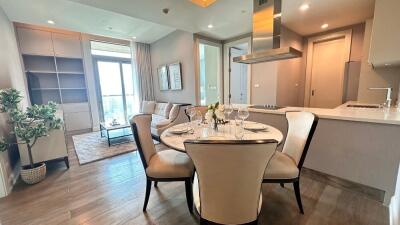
[(382, 77), (11, 75), (178, 46)]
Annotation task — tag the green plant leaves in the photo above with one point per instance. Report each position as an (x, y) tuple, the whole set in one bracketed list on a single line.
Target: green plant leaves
[(37, 121)]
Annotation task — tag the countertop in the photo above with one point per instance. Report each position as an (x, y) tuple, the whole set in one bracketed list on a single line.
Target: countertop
[(342, 112)]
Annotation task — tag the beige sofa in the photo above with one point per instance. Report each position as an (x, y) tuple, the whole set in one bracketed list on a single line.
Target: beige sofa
[(164, 115)]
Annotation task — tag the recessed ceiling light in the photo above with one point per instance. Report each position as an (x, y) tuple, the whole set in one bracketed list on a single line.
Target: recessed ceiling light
[(210, 26), (387, 64), (324, 26), (133, 37), (50, 22), (203, 3), (304, 7)]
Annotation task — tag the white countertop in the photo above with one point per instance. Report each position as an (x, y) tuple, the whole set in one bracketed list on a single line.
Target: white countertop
[(370, 115)]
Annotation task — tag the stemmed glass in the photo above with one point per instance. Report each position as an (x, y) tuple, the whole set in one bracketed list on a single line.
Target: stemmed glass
[(197, 119), (243, 113), (228, 111), (191, 111)]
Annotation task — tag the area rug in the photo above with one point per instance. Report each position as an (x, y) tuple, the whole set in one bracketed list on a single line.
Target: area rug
[(91, 147)]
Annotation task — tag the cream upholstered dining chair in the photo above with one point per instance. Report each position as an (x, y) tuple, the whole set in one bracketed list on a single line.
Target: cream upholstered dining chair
[(229, 174), (162, 166), (285, 166)]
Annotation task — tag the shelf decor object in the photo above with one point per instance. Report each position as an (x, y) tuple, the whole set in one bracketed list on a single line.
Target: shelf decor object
[(29, 125), (163, 78), (175, 76)]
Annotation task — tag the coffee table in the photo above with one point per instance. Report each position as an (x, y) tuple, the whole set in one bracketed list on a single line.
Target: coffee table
[(115, 132)]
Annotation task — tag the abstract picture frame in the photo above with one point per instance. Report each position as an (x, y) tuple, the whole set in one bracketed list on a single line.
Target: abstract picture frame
[(163, 79), (175, 76)]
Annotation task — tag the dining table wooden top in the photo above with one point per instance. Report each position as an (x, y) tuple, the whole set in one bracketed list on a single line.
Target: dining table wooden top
[(175, 136)]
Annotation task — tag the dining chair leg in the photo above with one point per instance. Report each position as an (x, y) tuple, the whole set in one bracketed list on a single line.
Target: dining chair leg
[(189, 194), (282, 185), (296, 186), (155, 184), (146, 198)]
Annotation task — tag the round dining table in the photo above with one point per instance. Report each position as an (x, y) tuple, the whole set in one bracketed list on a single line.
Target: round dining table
[(224, 132)]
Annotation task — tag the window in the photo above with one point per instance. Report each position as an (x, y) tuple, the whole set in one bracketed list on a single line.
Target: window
[(115, 82)]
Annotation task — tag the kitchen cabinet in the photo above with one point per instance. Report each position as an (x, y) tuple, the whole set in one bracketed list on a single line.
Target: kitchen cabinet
[(385, 47), (67, 45), (35, 42), (54, 66)]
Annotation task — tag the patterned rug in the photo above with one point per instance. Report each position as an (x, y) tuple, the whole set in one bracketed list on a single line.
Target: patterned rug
[(91, 147)]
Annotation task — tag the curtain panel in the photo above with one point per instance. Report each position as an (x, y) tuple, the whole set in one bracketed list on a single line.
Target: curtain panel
[(144, 76)]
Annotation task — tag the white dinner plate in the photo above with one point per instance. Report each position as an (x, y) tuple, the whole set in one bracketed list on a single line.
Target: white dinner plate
[(178, 130), (255, 126)]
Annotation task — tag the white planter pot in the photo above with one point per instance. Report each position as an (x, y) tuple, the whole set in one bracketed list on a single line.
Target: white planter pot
[(35, 175)]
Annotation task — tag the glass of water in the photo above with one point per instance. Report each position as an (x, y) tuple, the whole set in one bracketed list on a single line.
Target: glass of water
[(239, 132)]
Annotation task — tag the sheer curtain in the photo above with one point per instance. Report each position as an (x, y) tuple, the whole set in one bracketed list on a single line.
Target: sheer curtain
[(142, 71)]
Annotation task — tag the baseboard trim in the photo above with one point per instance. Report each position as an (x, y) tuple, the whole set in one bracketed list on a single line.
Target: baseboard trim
[(370, 192)]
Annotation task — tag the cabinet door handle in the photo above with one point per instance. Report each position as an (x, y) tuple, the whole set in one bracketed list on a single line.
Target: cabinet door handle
[(312, 92)]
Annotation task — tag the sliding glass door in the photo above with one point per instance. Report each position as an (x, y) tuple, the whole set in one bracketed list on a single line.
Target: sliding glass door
[(116, 89)]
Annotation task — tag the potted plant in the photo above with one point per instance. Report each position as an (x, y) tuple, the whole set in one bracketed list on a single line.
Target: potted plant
[(28, 126)]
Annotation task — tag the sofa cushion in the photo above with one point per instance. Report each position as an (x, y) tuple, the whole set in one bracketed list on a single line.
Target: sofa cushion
[(158, 121), (148, 107), (174, 112), (163, 109)]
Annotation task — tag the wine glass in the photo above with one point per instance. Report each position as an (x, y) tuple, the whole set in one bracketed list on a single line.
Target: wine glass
[(243, 113), (197, 119), (228, 111), (190, 111)]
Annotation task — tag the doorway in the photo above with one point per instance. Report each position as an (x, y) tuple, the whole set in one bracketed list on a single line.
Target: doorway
[(327, 57), (237, 76), (209, 72)]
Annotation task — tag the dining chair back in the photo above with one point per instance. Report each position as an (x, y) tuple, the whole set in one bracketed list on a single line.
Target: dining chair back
[(167, 165), (229, 174), (301, 128), (143, 139)]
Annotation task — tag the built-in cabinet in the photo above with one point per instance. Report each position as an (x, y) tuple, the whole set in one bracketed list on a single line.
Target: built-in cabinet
[(54, 69), (385, 48)]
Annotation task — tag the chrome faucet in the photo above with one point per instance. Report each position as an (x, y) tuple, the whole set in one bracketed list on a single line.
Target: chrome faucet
[(388, 101)]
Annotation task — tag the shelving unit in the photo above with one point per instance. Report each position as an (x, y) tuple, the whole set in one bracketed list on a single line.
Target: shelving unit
[(55, 72), (57, 79)]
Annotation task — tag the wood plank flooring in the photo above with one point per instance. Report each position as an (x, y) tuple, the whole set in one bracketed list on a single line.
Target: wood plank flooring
[(111, 191)]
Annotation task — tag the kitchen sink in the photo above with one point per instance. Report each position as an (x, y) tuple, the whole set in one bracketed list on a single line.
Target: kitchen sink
[(365, 106)]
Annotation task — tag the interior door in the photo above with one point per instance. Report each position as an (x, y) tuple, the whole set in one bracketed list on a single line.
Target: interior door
[(327, 71), (238, 78)]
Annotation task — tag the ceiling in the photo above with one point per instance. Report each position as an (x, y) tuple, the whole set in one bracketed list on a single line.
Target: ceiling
[(145, 20), (77, 17)]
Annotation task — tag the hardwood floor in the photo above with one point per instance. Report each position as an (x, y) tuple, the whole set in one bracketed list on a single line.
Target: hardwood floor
[(111, 191)]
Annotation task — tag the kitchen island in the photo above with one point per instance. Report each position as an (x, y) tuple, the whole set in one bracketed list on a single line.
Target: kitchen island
[(361, 145)]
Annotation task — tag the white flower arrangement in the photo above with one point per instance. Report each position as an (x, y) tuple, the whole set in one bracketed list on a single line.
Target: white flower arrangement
[(215, 114)]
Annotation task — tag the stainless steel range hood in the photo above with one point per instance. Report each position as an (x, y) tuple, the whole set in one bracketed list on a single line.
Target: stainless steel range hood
[(266, 38)]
